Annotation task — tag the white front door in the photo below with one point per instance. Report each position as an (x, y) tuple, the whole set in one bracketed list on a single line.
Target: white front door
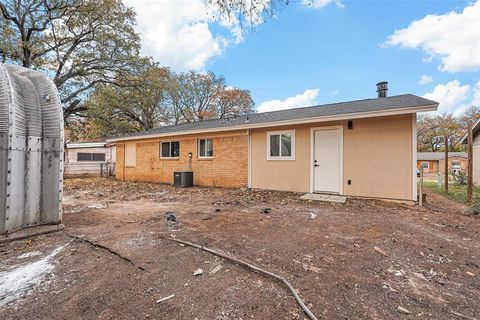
[(327, 160)]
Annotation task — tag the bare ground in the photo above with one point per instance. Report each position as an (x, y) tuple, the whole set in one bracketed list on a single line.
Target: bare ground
[(430, 264)]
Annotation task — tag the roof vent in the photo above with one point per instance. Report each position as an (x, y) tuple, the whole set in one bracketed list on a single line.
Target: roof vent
[(382, 89)]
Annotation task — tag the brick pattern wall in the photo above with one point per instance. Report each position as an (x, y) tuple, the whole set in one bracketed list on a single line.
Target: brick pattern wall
[(227, 168)]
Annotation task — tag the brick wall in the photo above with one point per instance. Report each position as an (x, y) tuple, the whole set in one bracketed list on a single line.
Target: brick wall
[(227, 168)]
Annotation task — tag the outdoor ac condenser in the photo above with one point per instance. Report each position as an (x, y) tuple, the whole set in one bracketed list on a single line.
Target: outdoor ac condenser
[(31, 150)]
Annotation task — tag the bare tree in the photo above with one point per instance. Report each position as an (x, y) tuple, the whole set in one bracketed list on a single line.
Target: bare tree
[(192, 95), (232, 102)]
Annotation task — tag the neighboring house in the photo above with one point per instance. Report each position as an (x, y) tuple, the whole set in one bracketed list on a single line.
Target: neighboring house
[(434, 162), (476, 151), (364, 148), (89, 159)]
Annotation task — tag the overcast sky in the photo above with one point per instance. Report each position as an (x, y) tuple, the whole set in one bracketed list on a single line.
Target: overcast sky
[(330, 51)]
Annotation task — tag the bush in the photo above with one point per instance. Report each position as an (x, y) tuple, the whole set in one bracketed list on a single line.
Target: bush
[(459, 178)]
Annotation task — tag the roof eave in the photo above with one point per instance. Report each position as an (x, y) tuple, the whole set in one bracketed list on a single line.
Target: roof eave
[(86, 145), (349, 116), (464, 139)]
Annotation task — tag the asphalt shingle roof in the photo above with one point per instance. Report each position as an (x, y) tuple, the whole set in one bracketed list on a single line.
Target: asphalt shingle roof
[(342, 108), (435, 156)]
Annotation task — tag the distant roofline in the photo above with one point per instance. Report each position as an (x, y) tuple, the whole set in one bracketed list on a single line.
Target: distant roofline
[(430, 106), (423, 156), (74, 145), (475, 129)]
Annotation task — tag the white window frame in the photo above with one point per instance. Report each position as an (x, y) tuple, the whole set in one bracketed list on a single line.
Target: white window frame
[(428, 164), (170, 142), (280, 157), (198, 149)]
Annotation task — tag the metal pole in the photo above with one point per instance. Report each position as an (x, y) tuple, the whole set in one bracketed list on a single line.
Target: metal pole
[(446, 163), (470, 164), (420, 199)]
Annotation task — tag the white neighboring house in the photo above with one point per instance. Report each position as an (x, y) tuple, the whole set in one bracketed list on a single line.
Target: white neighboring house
[(89, 159)]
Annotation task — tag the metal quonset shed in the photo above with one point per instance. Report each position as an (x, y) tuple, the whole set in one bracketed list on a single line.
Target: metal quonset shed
[(31, 149)]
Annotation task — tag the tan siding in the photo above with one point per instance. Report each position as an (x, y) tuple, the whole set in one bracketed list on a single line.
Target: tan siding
[(377, 152), (476, 164), (378, 158)]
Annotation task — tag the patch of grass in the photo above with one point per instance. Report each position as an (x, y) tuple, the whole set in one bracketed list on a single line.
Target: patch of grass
[(456, 192)]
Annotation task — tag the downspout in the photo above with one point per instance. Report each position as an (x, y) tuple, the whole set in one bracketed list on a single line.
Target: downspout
[(414, 156), (249, 159)]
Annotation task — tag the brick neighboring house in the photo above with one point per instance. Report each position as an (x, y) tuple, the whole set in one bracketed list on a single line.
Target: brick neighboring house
[(344, 148), (434, 162)]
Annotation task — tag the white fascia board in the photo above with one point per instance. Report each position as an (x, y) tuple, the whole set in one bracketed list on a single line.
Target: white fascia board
[(86, 145), (349, 116)]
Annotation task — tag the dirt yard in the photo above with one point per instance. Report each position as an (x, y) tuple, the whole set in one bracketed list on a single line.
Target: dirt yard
[(358, 260)]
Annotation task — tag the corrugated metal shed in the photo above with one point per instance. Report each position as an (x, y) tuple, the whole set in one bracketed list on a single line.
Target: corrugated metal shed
[(31, 149)]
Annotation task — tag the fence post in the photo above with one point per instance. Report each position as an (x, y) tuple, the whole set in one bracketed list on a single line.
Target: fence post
[(420, 199), (446, 163)]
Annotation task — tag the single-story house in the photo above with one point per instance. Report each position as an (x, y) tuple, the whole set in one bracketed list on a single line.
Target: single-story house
[(89, 159), (434, 162), (364, 148)]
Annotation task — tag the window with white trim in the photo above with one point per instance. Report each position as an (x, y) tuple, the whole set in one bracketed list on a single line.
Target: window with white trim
[(205, 148), (425, 165), (281, 145), (170, 149)]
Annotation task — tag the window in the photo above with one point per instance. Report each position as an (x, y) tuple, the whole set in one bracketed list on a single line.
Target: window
[(425, 165), (281, 145), (83, 156), (205, 148), (170, 149)]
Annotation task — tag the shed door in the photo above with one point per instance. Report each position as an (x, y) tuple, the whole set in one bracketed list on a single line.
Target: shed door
[(327, 161)]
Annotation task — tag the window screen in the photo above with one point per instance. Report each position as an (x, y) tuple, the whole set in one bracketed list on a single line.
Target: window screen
[(281, 145), (83, 156), (170, 149), (205, 148)]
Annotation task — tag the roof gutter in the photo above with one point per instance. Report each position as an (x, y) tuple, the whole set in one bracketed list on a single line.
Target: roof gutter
[(349, 116), (86, 145)]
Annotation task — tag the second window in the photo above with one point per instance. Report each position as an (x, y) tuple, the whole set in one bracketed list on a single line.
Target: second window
[(205, 148), (170, 149)]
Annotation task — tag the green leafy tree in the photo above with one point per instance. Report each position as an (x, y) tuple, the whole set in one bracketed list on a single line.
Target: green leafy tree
[(80, 43), (118, 110)]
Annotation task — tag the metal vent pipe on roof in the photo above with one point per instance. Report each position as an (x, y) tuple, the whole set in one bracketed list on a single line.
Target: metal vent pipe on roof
[(31, 150), (382, 89)]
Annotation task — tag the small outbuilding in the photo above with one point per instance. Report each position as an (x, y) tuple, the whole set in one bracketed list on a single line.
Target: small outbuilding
[(89, 159), (362, 148)]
